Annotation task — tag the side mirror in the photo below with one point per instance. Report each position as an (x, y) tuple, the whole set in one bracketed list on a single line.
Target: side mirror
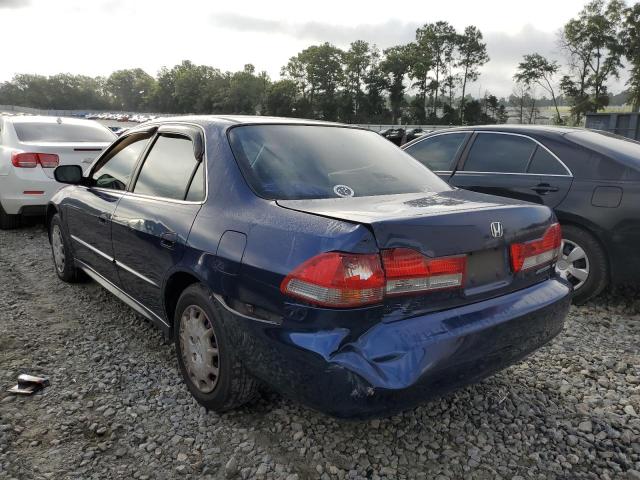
[(71, 174)]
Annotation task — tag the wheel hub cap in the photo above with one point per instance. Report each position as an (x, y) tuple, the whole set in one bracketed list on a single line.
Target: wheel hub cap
[(57, 245), (199, 349), (573, 264)]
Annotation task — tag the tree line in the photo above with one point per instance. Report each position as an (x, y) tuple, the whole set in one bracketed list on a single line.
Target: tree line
[(595, 44), (424, 81)]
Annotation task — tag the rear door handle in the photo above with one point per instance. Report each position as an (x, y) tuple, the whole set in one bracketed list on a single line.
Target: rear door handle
[(544, 188), (169, 239)]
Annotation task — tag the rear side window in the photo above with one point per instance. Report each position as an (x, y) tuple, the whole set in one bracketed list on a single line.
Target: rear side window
[(114, 170), (545, 163), (305, 161), (196, 189), (168, 168), (62, 132), (492, 152), (439, 151)]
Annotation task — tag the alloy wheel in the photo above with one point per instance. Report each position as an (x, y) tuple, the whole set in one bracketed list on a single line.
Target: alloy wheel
[(57, 244), (199, 347), (573, 264)]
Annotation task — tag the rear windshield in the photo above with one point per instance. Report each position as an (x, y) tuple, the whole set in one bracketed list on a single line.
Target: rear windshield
[(296, 162), (61, 132), (614, 146)]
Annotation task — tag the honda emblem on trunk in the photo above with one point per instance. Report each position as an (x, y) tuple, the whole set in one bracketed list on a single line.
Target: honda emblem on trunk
[(496, 229)]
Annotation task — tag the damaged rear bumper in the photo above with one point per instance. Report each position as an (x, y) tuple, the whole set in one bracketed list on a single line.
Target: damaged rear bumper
[(397, 365)]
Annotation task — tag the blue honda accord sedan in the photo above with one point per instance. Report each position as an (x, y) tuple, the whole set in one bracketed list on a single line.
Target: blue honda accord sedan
[(314, 257)]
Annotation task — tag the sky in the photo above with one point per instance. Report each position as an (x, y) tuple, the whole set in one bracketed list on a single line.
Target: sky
[(96, 37)]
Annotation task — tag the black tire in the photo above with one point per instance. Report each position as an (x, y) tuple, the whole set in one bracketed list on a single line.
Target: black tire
[(596, 259), (67, 271), (234, 385), (7, 221)]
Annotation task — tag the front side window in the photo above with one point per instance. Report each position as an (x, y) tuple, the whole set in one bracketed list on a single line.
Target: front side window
[(292, 162), (115, 169), (168, 169), (494, 152), (439, 151)]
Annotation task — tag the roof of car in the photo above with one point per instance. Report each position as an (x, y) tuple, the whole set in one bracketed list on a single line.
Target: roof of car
[(46, 119), (514, 128), (229, 120)]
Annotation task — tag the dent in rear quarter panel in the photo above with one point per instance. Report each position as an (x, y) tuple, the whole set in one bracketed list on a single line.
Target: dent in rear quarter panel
[(283, 239)]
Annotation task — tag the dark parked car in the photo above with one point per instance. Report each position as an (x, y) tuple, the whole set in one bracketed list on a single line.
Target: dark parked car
[(591, 179), (316, 257), (396, 136)]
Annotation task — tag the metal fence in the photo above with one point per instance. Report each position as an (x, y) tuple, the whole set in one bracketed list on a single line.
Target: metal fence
[(625, 124)]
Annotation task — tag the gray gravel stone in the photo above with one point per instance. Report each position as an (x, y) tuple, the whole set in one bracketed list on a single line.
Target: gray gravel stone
[(117, 408)]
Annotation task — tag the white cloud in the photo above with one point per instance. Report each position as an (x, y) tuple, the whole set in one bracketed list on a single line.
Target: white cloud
[(97, 37)]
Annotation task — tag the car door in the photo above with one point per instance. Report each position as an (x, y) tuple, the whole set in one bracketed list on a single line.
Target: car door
[(90, 209), (512, 165), (439, 152), (153, 220)]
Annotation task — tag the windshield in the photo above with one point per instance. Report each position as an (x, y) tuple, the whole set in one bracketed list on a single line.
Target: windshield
[(614, 146), (45, 132), (293, 162)]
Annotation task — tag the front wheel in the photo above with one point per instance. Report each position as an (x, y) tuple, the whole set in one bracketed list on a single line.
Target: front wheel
[(62, 254), (583, 263), (210, 367)]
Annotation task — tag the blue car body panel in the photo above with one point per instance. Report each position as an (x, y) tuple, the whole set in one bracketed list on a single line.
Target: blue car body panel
[(353, 362)]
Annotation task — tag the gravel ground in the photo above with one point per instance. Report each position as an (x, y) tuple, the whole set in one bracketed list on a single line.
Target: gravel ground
[(116, 407)]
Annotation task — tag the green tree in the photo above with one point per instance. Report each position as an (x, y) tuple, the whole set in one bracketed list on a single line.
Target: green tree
[(630, 39), (376, 82), (129, 89), (537, 70), (318, 72), (282, 97), (396, 66), (521, 100), (472, 54), (357, 62), (247, 91), (435, 44), (592, 41)]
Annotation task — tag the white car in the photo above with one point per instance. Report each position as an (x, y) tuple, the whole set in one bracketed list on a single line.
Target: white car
[(30, 149)]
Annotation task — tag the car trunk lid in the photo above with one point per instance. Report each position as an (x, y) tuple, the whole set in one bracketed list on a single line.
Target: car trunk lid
[(80, 153), (449, 223)]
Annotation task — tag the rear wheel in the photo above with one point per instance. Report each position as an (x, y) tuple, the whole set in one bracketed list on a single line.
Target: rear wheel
[(210, 368), (62, 254), (8, 221), (582, 263)]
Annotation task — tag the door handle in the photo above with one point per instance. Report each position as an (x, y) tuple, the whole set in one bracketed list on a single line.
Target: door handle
[(169, 239), (103, 218), (544, 188)]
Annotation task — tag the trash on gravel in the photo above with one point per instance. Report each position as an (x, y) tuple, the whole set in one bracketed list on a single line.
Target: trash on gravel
[(29, 384)]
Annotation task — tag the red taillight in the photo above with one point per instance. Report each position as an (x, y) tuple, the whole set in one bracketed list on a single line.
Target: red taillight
[(31, 160), (408, 271), (337, 279), (344, 280), (48, 160), (537, 253), (24, 160)]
